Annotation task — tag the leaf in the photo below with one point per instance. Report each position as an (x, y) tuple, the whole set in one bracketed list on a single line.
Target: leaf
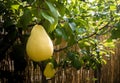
[(102, 53), (52, 9), (71, 55), (83, 23), (80, 31), (75, 60), (58, 40), (55, 15), (104, 61), (72, 26), (115, 34), (68, 29), (36, 13), (15, 6), (109, 44), (76, 63), (71, 40), (53, 26), (25, 19), (73, 1), (30, 1), (61, 32), (61, 8), (84, 43), (47, 17), (112, 7)]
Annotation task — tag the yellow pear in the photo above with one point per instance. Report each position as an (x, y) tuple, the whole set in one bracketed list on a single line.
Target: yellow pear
[(49, 70), (39, 46)]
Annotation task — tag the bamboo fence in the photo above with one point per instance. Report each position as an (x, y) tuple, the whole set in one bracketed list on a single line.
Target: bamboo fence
[(110, 72)]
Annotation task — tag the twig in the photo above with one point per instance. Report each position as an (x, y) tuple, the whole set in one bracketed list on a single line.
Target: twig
[(95, 33)]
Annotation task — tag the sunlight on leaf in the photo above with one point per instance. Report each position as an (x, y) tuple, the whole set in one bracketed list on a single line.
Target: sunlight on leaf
[(47, 17), (83, 23), (72, 26), (15, 7), (104, 61), (109, 44), (112, 7), (53, 26), (55, 15), (53, 10)]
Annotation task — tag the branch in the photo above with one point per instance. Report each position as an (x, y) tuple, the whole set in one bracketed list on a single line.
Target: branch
[(95, 33), (58, 50), (91, 35)]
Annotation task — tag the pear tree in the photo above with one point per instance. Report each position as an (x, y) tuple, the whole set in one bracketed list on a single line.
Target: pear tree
[(80, 23)]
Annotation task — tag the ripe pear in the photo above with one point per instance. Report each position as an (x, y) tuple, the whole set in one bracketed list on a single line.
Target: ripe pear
[(49, 70), (39, 46)]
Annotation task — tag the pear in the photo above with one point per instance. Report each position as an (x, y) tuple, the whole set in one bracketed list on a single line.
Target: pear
[(39, 46), (49, 71)]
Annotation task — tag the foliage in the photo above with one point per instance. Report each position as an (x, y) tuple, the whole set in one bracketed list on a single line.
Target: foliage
[(77, 22)]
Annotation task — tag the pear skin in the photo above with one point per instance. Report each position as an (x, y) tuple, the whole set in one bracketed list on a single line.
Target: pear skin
[(49, 71), (39, 46)]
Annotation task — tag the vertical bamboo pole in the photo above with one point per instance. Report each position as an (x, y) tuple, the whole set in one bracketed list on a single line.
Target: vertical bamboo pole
[(42, 67)]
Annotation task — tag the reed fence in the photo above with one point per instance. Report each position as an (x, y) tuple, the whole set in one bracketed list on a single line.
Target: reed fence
[(110, 72)]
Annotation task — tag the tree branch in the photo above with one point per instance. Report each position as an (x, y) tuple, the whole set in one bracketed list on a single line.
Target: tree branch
[(91, 35)]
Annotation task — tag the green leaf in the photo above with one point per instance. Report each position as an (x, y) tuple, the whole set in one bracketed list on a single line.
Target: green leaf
[(68, 29), (55, 15), (72, 26), (104, 61), (61, 8), (52, 9), (75, 59), (58, 31), (76, 63), (53, 26), (80, 31), (115, 34), (84, 43), (61, 32), (58, 40), (25, 19), (30, 1), (109, 44), (71, 55), (102, 53), (15, 6), (47, 17), (36, 13), (83, 23), (112, 7)]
